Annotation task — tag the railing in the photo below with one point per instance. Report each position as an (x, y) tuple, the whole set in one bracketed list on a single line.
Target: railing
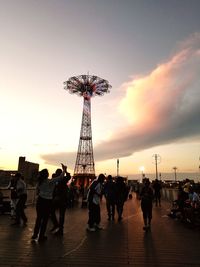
[(31, 194), (169, 194)]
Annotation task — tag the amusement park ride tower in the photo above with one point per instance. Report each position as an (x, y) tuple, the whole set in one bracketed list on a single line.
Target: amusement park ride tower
[(86, 86)]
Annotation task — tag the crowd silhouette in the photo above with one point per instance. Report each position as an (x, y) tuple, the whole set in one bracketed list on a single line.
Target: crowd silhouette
[(60, 192)]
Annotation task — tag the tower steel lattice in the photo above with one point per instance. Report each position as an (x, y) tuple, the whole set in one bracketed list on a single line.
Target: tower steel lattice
[(86, 86)]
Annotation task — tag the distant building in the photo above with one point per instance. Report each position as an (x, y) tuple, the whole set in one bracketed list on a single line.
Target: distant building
[(29, 170), (5, 177)]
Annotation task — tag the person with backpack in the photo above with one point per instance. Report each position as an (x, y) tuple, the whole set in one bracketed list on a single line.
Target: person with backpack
[(93, 199)]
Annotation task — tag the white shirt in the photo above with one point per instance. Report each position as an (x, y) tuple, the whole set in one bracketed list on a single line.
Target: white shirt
[(46, 188), (98, 190)]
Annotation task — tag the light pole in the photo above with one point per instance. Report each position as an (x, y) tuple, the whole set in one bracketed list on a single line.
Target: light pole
[(142, 171), (157, 159), (117, 167), (175, 169)]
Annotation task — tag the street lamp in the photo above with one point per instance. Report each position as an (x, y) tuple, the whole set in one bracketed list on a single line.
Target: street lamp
[(175, 169), (142, 171), (157, 159), (117, 167)]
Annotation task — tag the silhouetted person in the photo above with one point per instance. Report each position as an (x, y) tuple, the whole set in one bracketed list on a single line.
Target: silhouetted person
[(157, 194), (94, 194), (121, 195), (13, 197), (179, 204), (110, 195), (146, 196), (60, 202), (45, 188), (21, 194)]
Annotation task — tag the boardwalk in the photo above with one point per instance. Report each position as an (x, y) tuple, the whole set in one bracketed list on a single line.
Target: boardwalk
[(119, 244)]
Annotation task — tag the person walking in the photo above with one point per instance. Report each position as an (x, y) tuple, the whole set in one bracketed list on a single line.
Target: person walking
[(146, 197), (21, 194), (121, 195), (93, 198), (110, 195), (44, 189), (157, 194)]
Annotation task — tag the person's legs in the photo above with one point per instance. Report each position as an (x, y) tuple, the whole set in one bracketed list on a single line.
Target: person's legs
[(53, 216), (159, 199), (108, 206), (113, 210), (97, 215), (149, 214), (145, 213), (23, 199), (39, 211), (91, 215), (120, 205), (18, 211), (156, 199), (45, 217), (62, 210)]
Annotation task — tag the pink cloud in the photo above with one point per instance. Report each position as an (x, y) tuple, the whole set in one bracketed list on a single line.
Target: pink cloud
[(161, 107)]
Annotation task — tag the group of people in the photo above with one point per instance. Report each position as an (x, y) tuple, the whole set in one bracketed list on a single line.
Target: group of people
[(53, 195), (115, 192), (187, 205)]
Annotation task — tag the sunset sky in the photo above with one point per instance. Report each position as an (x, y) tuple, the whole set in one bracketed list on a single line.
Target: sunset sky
[(148, 50)]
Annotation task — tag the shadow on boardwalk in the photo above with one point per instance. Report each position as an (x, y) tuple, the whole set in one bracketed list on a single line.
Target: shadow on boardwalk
[(119, 244)]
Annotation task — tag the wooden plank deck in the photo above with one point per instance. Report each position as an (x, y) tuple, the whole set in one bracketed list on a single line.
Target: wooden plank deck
[(169, 243)]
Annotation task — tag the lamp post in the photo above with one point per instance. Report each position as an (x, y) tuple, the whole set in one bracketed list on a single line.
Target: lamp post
[(157, 159), (117, 167), (142, 171), (175, 169)]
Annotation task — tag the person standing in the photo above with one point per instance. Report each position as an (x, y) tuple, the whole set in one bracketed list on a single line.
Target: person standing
[(44, 189), (146, 197), (13, 197), (60, 202), (110, 195), (157, 195), (21, 193), (93, 199)]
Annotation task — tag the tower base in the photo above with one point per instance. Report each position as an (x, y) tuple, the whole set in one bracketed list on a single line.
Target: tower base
[(83, 180)]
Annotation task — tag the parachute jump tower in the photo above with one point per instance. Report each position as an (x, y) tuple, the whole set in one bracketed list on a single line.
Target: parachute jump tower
[(86, 86)]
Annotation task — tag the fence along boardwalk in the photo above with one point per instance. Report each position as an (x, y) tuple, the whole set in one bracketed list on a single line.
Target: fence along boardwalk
[(169, 243)]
